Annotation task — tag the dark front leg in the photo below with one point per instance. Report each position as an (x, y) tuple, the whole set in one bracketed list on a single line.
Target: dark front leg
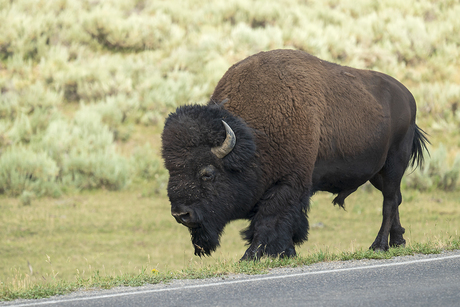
[(269, 238), (278, 224)]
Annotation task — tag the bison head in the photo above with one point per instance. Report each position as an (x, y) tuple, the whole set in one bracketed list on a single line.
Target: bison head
[(213, 171)]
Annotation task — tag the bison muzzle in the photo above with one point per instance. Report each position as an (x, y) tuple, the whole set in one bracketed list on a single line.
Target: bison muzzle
[(280, 126)]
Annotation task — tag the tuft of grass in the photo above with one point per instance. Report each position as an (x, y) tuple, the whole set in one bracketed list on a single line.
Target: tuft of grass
[(223, 269)]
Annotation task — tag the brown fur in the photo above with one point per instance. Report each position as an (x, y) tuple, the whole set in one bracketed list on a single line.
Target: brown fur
[(310, 123)]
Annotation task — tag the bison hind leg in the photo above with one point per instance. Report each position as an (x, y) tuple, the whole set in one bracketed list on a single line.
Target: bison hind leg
[(340, 198)]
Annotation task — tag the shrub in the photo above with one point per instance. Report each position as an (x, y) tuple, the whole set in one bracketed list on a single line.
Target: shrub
[(39, 103), (95, 169), (85, 153), (122, 63), (9, 105), (113, 30), (22, 169), (21, 132), (253, 40), (436, 173), (4, 139), (112, 113), (24, 34), (437, 98), (146, 164)]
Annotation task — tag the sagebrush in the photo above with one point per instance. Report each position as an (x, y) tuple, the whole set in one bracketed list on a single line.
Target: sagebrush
[(125, 64)]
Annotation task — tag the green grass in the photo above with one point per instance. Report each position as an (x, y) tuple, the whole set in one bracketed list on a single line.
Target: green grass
[(222, 269), (104, 239)]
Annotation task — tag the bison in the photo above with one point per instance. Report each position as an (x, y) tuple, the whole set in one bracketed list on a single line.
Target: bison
[(280, 126)]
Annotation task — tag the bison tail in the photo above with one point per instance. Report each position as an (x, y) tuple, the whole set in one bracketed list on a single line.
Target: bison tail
[(419, 145)]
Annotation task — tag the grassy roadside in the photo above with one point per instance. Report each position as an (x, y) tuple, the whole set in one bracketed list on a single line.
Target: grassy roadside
[(90, 240), (122, 232), (101, 281)]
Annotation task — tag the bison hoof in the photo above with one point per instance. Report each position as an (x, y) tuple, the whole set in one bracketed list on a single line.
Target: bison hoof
[(289, 252), (259, 252), (251, 254), (399, 242), (379, 248)]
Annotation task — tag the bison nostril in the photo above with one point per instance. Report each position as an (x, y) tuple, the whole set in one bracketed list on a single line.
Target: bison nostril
[(185, 217), (182, 217)]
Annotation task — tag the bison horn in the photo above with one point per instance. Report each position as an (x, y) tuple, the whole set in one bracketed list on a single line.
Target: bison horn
[(227, 146)]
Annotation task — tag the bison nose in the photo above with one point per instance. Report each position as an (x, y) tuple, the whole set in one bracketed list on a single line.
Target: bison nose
[(182, 217)]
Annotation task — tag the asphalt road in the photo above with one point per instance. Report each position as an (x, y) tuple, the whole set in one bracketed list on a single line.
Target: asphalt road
[(421, 280)]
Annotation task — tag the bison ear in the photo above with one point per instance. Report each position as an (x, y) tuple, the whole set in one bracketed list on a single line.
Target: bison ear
[(227, 146)]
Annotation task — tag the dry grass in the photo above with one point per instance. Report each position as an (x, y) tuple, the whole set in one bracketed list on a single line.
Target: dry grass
[(122, 232)]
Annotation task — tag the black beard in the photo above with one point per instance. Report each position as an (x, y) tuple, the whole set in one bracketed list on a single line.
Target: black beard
[(205, 240)]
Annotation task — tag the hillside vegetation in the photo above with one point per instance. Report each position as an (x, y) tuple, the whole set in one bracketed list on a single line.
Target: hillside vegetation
[(80, 80)]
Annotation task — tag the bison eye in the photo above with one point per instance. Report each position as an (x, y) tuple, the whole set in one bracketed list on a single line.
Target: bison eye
[(208, 173)]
